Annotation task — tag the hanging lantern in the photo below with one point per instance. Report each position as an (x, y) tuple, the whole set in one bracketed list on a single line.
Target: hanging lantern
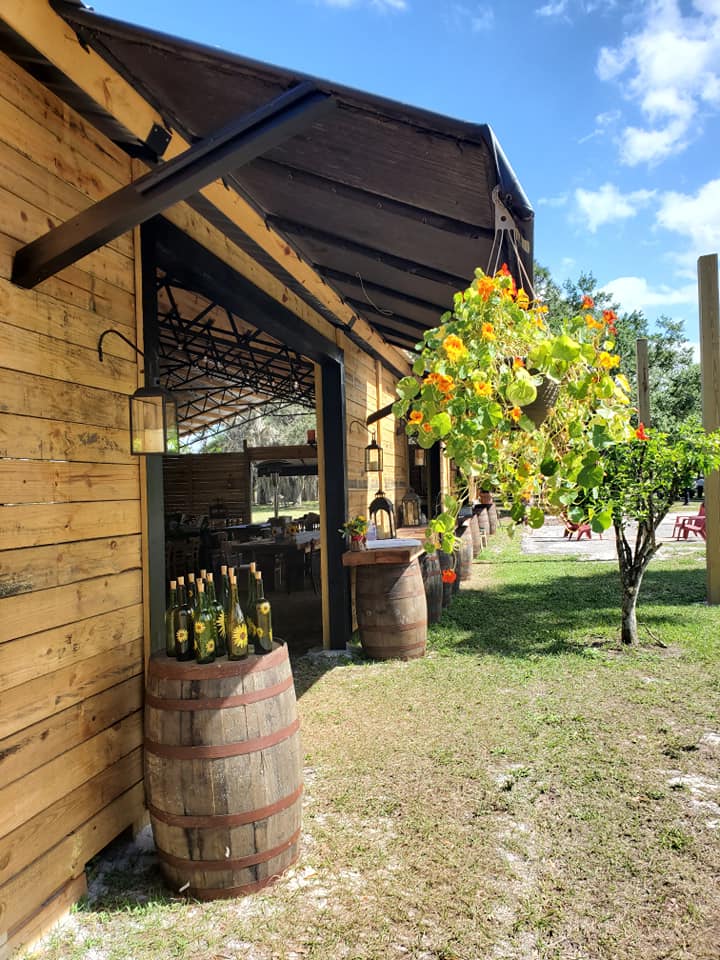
[(153, 421), (419, 456), (382, 514), (410, 504), (373, 457)]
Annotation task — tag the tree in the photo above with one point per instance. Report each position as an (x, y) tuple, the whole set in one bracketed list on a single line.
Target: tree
[(641, 481)]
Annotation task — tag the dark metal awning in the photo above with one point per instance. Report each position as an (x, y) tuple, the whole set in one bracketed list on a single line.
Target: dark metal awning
[(392, 205)]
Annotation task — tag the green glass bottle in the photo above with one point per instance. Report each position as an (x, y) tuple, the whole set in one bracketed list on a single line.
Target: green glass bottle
[(263, 619), (204, 627), (191, 590), (184, 634), (171, 617), (250, 602), (237, 632), (216, 608), (224, 587)]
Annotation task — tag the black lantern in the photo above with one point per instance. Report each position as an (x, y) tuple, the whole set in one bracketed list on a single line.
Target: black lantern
[(373, 457), (410, 504), (382, 514), (153, 421), (153, 413)]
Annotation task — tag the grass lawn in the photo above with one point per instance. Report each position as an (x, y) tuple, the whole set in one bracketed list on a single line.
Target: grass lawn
[(527, 790)]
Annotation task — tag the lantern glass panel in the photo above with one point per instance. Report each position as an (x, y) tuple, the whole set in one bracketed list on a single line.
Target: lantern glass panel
[(373, 458), (153, 422)]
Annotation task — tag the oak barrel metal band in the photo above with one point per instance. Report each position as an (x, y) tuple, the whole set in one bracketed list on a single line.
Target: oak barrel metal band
[(239, 863), (219, 751), (396, 627), (214, 821), (392, 650), (220, 703), (219, 893), (166, 668)]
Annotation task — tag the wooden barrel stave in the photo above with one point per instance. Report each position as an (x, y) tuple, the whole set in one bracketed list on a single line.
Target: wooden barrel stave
[(465, 555), (391, 610), (431, 574), (224, 783)]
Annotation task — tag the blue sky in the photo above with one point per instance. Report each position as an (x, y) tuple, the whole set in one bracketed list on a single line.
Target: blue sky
[(609, 110)]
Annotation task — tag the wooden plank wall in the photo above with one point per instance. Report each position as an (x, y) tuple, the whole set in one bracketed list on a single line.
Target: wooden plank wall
[(368, 387), (194, 481), (71, 613)]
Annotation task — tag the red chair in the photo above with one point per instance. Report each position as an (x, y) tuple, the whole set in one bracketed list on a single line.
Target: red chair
[(685, 525)]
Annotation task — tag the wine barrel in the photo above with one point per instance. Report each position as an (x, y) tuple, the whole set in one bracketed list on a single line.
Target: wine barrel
[(391, 610), (447, 562), (492, 517), (483, 520), (223, 772), (431, 574), (476, 540), (463, 567)]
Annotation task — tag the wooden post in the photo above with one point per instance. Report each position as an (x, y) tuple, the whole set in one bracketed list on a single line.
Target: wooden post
[(643, 380), (710, 371)]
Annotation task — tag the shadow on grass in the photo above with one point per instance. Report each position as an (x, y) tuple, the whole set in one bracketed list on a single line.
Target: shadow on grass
[(562, 614)]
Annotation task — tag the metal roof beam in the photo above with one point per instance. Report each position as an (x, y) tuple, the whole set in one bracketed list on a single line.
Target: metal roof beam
[(373, 200), (225, 150), (292, 227)]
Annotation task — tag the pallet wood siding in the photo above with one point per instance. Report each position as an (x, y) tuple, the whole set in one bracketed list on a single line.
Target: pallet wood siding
[(369, 387), (195, 481), (71, 613)]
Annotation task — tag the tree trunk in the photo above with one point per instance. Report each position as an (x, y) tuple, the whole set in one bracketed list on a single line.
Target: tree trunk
[(628, 628)]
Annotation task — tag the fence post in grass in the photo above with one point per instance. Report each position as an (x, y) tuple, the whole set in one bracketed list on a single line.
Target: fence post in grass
[(643, 380), (709, 305)]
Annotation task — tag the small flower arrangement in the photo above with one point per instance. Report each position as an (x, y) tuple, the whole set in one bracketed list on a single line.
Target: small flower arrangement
[(356, 527)]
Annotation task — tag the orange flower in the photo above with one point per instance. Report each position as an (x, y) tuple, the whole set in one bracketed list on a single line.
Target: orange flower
[(640, 432), (518, 362), (503, 271), (487, 331), (588, 303), (449, 576), (454, 347), (442, 383), (427, 428), (483, 388), (592, 323), (609, 316), (415, 416), (485, 287), (516, 413)]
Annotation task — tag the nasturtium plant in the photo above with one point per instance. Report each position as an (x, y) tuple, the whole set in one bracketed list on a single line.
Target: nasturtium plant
[(479, 379)]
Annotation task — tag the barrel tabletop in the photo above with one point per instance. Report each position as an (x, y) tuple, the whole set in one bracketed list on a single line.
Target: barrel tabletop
[(383, 551)]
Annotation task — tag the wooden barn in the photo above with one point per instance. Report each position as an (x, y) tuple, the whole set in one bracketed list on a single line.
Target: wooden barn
[(253, 232)]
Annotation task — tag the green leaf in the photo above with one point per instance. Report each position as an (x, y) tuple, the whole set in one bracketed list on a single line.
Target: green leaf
[(549, 466), (565, 348), (536, 518), (601, 521), (590, 476), (419, 367), (521, 392), (441, 423), (407, 388), (399, 408), (576, 514), (517, 511)]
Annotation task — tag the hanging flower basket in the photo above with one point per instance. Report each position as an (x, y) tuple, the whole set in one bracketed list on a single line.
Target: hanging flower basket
[(547, 394)]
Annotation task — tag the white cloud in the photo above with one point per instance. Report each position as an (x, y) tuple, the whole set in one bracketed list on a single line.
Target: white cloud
[(671, 69), (696, 217), (478, 17), (635, 293), (552, 9), (559, 201), (608, 205), (564, 8)]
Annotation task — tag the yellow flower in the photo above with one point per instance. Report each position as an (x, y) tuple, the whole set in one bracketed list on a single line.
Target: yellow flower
[(483, 388), (416, 416), (259, 632), (592, 323), (522, 299), (181, 636), (211, 646), (199, 627), (264, 607), (454, 347), (487, 331), (608, 360)]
